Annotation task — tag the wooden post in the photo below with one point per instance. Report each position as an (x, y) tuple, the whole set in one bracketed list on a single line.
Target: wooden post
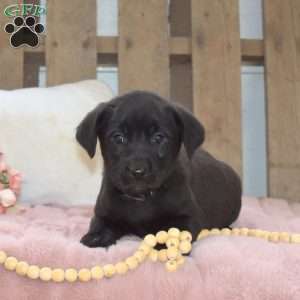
[(143, 46), (216, 57), (282, 57), (71, 41), (11, 59)]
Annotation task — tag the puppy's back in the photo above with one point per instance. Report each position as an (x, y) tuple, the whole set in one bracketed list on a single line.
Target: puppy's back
[(216, 187)]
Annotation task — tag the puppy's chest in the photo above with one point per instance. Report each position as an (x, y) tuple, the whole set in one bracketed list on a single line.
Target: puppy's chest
[(133, 211)]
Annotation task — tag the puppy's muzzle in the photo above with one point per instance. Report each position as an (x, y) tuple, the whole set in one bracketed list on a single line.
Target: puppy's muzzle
[(138, 169)]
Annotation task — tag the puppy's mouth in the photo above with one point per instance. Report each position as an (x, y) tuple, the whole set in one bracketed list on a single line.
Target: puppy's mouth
[(140, 196)]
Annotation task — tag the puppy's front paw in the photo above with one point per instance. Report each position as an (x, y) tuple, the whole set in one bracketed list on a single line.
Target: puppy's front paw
[(104, 238)]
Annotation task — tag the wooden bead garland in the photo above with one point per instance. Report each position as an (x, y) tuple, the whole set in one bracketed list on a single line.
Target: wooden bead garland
[(177, 243)]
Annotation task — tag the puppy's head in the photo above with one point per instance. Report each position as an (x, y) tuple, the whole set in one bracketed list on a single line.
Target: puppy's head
[(140, 136)]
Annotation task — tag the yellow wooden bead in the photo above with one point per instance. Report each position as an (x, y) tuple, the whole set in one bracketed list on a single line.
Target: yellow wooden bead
[(97, 272), (145, 248), (185, 247), (215, 231), (259, 233), (150, 240), (274, 237), (244, 231), (174, 232), (295, 238), (45, 274), (84, 275), (162, 255), (284, 237), (140, 255), (235, 231), (71, 275), (172, 252), (172, 242), (171, 265), (252, 232), (22, 268), (3, 257), (203, 233), (265, 234), (10, 263), (153, 255), (109, 270), (33, 272), (121, 268), (58, 275), (226, 231), (186, 236), (132, 262), (162, 237)]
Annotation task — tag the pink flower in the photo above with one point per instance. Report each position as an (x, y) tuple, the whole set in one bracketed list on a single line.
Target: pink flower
[(10, 185), (15, 181), (7, 198)]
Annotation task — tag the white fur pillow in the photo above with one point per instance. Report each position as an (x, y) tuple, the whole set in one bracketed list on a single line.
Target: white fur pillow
[(37, 136)]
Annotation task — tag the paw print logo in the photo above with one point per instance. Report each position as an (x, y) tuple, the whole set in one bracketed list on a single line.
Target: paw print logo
[(24, 32)]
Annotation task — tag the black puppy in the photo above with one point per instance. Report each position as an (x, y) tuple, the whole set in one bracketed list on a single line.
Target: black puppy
[(150, 181)]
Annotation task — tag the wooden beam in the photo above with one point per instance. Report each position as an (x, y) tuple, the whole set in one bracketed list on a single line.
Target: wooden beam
[(252, 50), (71, 41), (143, 46), (217, 76), (107, 44), (178, 45), (282, 36)]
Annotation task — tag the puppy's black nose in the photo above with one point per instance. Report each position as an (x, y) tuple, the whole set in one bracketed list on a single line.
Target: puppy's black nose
[(137, 170)]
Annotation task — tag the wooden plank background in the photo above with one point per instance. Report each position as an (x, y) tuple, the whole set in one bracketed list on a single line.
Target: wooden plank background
[(191, 52), (144, 46), (217, 76), (282, 51), (71, 41), (11, 59)]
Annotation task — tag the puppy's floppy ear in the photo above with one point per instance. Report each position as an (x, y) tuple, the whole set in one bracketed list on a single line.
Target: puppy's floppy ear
[(86, 133), (192, 131)]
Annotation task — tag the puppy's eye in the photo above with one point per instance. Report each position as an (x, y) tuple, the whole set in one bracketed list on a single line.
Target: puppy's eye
[(119, 138), (157, 138)]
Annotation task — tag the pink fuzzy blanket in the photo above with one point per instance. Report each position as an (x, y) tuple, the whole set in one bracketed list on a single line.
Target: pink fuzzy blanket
[(218, 267)]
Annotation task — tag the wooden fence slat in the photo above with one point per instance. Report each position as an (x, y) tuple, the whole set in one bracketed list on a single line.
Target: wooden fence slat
[(143, 46), (32, 62), (11, 60), (216, 56), (282, 58), (71, 41)]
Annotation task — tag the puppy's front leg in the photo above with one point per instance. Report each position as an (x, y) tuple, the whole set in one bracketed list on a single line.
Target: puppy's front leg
[(100, 234)]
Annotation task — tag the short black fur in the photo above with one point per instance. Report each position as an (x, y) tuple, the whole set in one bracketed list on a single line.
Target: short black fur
[(156, 176)]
